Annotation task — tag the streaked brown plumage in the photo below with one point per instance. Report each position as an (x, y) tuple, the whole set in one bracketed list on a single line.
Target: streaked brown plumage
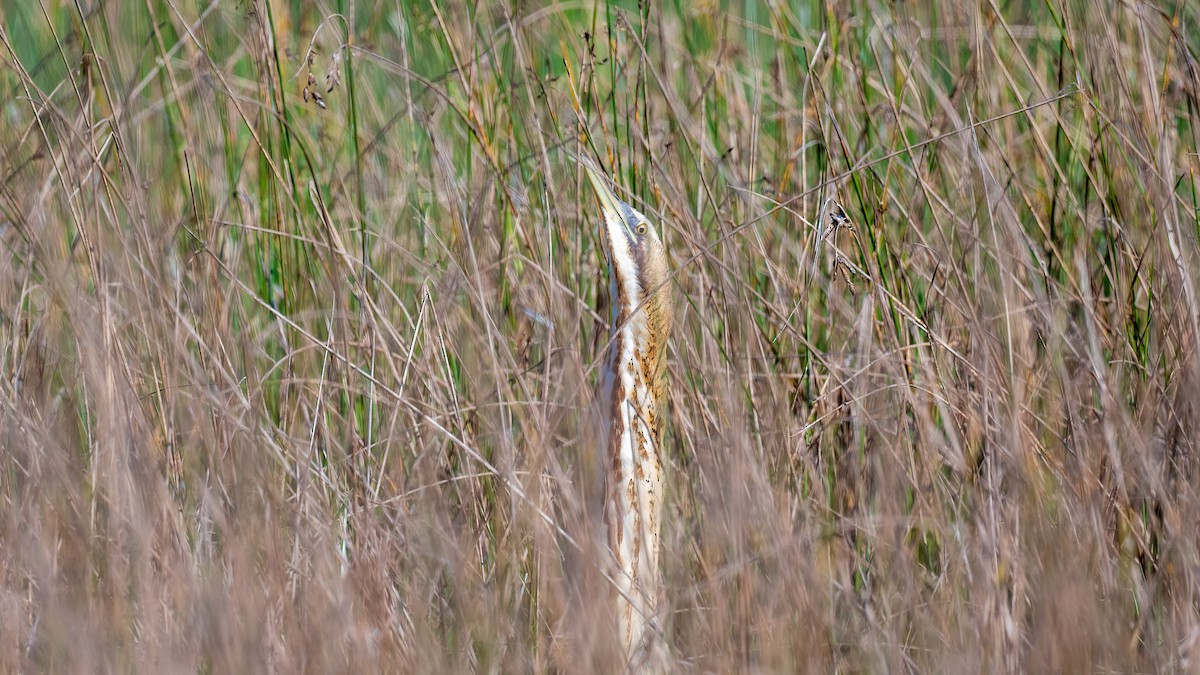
[(633, 399)]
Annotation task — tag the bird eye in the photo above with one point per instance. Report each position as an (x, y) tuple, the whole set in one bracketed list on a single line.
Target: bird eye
[(641, 228)]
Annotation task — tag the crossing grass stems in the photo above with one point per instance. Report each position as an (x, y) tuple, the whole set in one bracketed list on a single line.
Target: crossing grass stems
[(303, 306)]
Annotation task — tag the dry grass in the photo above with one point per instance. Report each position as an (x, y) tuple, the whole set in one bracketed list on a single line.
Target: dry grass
[(300, 330)]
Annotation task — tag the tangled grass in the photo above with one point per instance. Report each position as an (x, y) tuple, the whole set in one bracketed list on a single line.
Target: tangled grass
[(301, 307)]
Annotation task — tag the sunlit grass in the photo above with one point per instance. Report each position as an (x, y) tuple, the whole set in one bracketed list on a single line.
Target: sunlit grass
[(303, 309)]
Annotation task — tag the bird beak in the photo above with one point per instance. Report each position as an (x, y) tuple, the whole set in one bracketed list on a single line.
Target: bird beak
[(609, 204)]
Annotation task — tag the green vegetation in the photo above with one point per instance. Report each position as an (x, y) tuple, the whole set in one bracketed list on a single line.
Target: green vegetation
[(302, 305)]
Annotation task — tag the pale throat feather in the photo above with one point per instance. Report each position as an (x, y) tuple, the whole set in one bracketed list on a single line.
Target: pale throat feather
[(636, 497)]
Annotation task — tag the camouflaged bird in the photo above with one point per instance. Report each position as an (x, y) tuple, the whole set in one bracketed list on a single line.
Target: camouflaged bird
[(633, 398)]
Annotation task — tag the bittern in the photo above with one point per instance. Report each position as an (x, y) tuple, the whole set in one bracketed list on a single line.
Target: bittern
[(633, 400)]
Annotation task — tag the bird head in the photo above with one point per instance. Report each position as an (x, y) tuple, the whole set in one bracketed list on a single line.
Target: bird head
[(637, 258)]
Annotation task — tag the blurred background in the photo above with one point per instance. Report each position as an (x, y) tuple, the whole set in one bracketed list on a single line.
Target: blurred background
[(302, 306)]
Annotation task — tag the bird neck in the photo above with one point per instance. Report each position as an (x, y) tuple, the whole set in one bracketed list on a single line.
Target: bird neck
[(635, 483)]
